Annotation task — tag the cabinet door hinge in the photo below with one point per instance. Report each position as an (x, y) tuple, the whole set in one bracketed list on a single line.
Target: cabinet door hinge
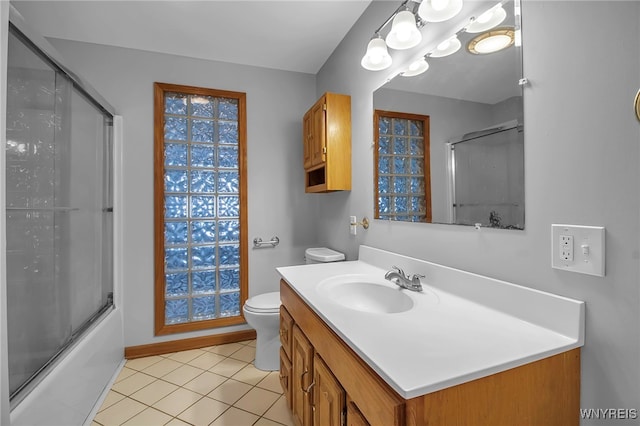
[(324, 107), (324, 149), (343, 418)]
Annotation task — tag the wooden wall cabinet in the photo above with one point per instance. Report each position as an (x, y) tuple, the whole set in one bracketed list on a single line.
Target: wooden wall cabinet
[(327, 144), (332, 386)]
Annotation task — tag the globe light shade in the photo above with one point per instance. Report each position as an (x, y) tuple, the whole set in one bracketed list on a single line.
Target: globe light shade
[(404, 33), (447, 47), (377, 57), (439, 10), (489, 19), (416, 68)]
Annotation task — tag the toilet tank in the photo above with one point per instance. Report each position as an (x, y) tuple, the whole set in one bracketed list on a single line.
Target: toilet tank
[(322, 255)]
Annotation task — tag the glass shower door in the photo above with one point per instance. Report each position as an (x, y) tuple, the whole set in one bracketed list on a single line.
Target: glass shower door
[(59, 216)]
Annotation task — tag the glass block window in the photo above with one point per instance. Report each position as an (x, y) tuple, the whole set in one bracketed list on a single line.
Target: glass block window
[(200, 208), (402, 169)]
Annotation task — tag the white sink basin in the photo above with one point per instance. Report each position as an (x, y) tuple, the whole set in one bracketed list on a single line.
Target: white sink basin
[(361, 293)]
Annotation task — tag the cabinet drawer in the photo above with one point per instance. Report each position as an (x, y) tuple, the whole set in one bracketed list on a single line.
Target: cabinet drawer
[(286, 330)]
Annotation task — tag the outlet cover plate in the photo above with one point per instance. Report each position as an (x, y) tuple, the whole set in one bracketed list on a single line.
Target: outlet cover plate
[(588, 249)]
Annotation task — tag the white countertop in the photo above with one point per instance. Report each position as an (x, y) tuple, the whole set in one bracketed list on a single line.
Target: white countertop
[(462, 327)]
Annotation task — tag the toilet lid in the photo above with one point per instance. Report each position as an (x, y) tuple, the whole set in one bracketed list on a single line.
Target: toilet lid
[(267, 302)]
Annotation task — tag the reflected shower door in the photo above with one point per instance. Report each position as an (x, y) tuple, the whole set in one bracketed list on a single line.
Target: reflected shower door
[(59, 239), (489, 180)]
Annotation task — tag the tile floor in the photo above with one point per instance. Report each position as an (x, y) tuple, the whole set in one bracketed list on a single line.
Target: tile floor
[(217, 386)]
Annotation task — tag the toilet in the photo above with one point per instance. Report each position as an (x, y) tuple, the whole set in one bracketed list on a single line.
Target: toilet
[(262, 313)]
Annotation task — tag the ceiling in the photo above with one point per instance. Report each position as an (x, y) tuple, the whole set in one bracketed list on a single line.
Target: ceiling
[(293, 35)]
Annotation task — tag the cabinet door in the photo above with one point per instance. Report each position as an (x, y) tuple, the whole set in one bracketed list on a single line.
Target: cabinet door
[(307, 138), (328, 396), (285, 376), (286, 330), (302, 378), (354, 416), (319, 135)]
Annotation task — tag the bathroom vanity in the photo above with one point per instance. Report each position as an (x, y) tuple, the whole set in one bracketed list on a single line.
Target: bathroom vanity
[(467, 350)]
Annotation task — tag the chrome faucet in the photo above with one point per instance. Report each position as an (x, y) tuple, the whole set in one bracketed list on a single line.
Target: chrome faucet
[(399, 278)]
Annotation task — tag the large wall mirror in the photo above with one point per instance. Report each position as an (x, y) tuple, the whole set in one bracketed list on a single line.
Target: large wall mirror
[(449, 141)]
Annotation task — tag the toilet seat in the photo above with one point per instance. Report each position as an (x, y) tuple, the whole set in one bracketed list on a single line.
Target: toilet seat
[(266, 303)]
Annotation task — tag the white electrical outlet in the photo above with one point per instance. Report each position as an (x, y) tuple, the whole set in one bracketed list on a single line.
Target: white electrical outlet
[(590, 256), (566, 248)]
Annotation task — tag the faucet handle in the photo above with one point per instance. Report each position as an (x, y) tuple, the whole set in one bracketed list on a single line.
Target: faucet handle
[(416, 277), (400, 271)]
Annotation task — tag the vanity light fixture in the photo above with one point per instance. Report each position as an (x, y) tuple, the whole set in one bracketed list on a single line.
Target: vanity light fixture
[(416, 68), (404, 33), (377, 57), (447, 47), (439, 10), (488, 20), (491, 41)]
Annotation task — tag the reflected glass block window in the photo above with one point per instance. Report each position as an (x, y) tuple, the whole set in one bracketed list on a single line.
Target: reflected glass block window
[(201, 207), (402, 169)]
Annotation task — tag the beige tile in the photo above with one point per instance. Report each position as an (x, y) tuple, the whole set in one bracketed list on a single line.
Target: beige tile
[(119, 412), (162, 368), (246, 354), (205, 383), (177, 422), (111, 398), (178, 401), (124, 373), (228, 367), (183, 374), (230, 391), (149, 417), (206, 360), (235, 417), (271, 382), (185, 356), (279, 412), (140, 364), (203, 412), (257, 401), (250, 374), (251, 343), (226, 349), (154, 392), (132, 383)]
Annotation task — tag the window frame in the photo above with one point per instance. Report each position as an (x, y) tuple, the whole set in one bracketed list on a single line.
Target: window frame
[(160, 327), (377, 114)]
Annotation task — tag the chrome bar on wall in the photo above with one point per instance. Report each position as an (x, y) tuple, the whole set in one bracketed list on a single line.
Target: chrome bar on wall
[(258, 243)]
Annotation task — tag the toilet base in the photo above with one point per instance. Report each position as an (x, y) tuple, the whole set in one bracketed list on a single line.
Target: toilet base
[(267, 353)]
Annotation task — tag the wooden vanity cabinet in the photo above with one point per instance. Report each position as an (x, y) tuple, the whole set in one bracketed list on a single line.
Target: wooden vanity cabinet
[(327, 144), (347, 391), (338, 374)]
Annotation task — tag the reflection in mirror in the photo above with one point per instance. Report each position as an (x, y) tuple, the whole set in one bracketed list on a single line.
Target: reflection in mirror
[(449, 141)]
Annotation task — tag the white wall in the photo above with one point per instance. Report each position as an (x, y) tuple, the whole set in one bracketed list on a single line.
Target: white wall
[(276, 200), (581, 163)]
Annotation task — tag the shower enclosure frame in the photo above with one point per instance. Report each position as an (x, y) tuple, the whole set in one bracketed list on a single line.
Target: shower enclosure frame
[(105, 325)]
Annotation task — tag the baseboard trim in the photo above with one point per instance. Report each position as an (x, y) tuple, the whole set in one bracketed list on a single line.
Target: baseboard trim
[(132, 352)]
